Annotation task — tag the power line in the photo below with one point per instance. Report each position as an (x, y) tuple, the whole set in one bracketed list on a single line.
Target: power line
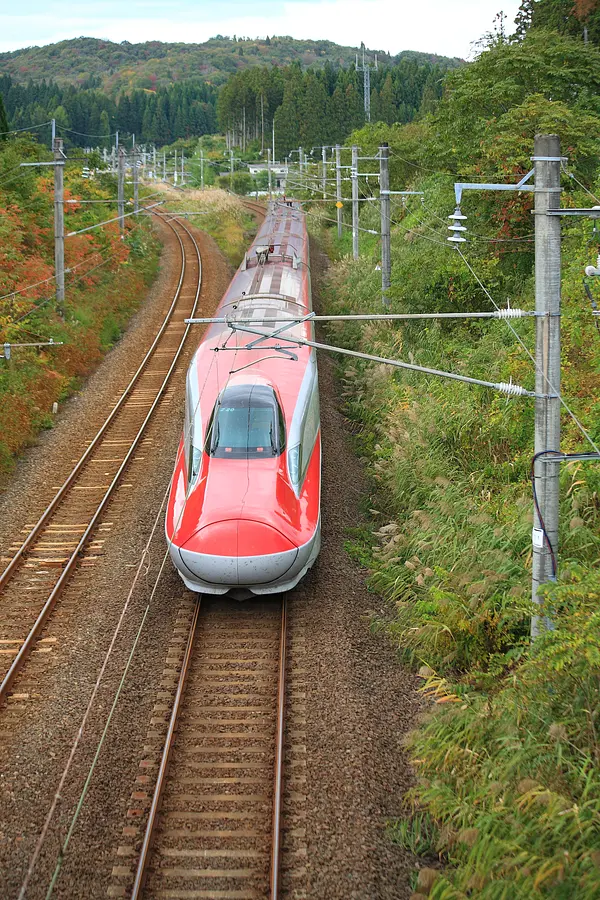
[(583, 187), (531, 357), (29, 128), (85, 134)]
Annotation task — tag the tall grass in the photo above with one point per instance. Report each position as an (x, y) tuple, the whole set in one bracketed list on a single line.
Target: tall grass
[(508, 793)]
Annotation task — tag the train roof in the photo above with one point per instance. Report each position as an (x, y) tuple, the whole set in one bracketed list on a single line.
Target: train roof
[(264, 290)]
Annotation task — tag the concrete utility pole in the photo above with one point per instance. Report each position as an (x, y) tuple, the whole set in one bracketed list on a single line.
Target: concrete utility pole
[(182, 167), (136, 184), (301, 167), (202, 169), (338, 188), (354, 176), (164, 165), (121, 191), (384, 191), (324, 172), (231, 169), (59, 224), (547, 163), (175, 169), (269, 172)]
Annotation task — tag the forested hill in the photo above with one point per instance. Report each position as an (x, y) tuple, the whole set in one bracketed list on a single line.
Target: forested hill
[(122, 67), (314, 106)]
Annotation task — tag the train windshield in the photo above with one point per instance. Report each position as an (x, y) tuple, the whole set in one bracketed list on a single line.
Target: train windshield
[(247, 423)]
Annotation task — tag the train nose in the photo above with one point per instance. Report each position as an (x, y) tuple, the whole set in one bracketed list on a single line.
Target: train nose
[(238, 552)]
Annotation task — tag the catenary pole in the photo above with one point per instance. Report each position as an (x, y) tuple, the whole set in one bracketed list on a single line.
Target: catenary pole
[(386, 259), (202, 169), (121, 190), (338, 187), (547, 166), (354, 176), (136, 184), (59, 224), (324, 172), (269, 173)]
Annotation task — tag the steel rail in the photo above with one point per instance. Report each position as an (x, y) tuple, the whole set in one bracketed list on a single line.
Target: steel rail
[(279, 736), (140, 874), (8, 571), (26, 647), (142, 866), (256, 207)]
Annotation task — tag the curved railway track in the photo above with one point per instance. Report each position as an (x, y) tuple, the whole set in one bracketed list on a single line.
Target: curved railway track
[(213, 827), (41, 566)]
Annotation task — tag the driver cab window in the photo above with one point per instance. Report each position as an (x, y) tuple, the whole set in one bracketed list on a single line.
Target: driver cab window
[(247, 423)]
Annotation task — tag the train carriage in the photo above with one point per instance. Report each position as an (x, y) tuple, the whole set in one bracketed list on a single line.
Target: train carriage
[(243, 513)]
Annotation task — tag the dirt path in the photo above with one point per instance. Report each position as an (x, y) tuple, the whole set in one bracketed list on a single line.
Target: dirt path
[(359, 703)]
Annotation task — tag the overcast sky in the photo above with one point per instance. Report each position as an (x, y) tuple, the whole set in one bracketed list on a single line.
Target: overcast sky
[(447, 27)]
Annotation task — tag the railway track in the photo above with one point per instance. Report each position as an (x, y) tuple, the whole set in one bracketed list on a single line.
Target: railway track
[(66, 534), (213, 825), (256, 208)]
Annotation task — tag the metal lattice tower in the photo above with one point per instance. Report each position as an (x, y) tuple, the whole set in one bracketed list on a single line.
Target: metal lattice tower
[(365, 68)]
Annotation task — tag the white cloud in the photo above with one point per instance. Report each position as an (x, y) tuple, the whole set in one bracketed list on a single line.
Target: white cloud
[(435, 26)]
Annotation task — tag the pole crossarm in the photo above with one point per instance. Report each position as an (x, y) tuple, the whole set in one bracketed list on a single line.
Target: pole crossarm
[(377, 317), (402, 193), (460, 186), (512, 390), (593, 213), (8, 347)]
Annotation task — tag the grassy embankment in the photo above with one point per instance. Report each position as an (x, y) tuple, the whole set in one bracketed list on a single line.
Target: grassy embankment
[(224, 217), (108, 280), (507, 794)]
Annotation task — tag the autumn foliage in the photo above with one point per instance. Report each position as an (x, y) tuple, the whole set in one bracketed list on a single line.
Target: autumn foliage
[(105, 281)]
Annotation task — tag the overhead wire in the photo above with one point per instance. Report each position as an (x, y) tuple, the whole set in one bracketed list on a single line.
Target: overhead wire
[(583, 187), (77, 278), (79, 735), (562, 401), (85, 134), (567, 408), (28, 128)]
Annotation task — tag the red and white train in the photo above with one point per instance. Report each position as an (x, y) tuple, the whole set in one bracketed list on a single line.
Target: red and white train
[(244, 508)]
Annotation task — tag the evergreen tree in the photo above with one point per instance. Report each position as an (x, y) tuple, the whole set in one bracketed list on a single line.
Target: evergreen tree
[(3, 121), (388, 111)]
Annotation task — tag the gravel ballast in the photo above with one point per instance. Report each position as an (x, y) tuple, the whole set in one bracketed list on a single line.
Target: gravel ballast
[(359, 702)]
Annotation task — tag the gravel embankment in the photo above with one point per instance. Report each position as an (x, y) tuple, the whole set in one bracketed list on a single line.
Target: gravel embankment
[(359, 703), (38, 729)]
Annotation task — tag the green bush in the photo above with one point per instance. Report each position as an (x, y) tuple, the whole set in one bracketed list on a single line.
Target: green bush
[(511, 782)]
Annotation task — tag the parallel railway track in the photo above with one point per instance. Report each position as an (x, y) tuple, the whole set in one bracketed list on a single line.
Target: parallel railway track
[(65, 533), (213, 827)]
